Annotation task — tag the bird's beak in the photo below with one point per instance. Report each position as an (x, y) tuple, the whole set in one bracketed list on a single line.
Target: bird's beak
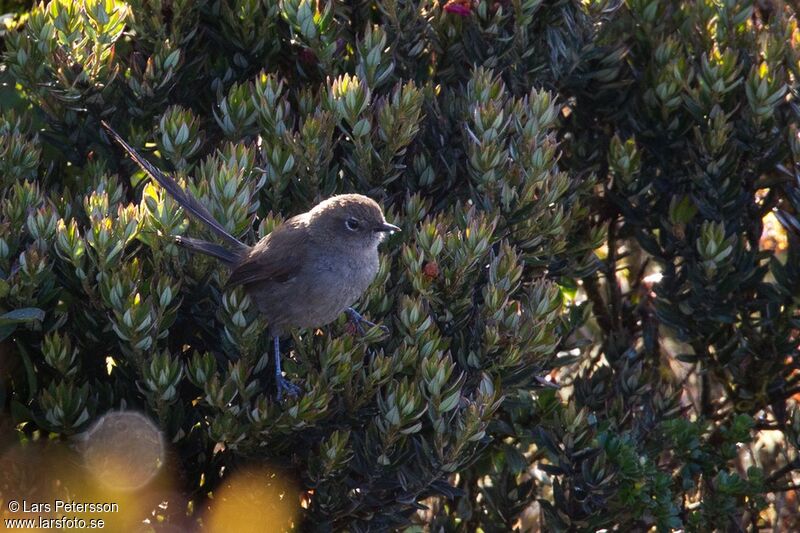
[(388, 228)]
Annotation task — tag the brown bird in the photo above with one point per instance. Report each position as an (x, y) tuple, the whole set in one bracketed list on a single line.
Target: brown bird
[(306, 272)]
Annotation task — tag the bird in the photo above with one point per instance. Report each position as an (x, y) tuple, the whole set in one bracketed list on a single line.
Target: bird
[(306, 272)]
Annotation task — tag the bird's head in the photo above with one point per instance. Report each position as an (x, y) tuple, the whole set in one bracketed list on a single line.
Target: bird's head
[(351, 219)]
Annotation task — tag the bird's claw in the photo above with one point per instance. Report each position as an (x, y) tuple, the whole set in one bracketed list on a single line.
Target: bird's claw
[(358, 319), (281, 383), (284, 385)]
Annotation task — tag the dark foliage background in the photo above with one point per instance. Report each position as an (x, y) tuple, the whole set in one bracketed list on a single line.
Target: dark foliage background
[(597, 194)]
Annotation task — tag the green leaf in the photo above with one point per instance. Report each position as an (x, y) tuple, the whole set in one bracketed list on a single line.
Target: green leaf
[(20, 412), (30, 371), (515, 460), (22, 315), (6, 331)]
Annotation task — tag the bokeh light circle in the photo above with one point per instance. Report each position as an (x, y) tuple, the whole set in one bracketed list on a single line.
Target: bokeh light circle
[(124, 450)]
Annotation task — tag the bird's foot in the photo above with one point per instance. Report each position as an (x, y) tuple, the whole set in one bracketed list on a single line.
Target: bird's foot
[(283, 385), (359, 321)]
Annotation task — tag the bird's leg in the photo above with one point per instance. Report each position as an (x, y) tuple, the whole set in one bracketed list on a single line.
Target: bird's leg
[(281, 383), (358, 320)]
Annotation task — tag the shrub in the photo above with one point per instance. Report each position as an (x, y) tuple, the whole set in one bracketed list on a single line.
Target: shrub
[(588, 327)]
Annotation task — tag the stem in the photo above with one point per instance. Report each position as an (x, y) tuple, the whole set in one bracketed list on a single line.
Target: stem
[(598, 304), (614, 291), (782, 471)]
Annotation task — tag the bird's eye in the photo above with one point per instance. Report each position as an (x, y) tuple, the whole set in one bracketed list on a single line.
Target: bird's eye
[(352, 224)]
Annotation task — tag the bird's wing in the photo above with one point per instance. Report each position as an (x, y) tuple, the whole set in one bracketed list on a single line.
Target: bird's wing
[(277, 258)]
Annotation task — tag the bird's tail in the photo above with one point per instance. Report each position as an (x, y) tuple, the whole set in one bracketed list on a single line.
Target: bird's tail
[(225, 255), (186, 200)]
